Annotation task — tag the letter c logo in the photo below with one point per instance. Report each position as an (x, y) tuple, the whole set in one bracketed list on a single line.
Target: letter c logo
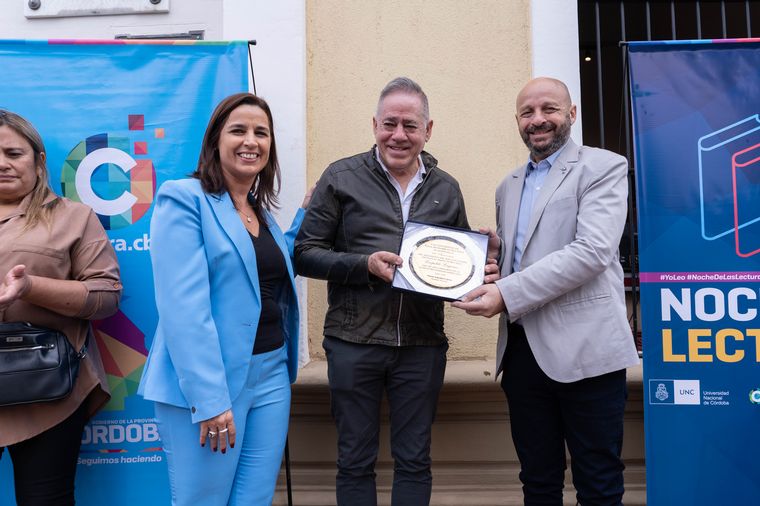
[(87, 168)]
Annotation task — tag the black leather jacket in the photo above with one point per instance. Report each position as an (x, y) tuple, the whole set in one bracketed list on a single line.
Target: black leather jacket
[(354, 212)]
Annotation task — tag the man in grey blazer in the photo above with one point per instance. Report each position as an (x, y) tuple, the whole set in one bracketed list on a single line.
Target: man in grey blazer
[(564, 340)]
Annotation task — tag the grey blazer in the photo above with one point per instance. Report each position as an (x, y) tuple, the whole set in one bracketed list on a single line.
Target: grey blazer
[(569, 293)]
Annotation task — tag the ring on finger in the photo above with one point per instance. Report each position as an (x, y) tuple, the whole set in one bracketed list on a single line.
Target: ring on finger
[(222, 431), (211, 434)]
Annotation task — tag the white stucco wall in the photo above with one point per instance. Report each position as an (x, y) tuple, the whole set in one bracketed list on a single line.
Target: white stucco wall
[(554, 41), (184, 15), (279, 63)]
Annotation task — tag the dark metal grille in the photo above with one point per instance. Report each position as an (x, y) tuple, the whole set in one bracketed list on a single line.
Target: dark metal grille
[(602, 26)]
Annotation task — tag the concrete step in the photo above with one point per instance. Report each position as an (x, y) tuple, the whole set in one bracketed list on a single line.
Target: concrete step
[(456, 484), (443, 496)]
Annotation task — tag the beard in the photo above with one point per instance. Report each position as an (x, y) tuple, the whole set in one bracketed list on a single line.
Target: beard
[(561, 135)]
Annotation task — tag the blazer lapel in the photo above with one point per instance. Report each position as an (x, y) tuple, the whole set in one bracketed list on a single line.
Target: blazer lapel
[(559, 170), (510, 210), (233, 227)]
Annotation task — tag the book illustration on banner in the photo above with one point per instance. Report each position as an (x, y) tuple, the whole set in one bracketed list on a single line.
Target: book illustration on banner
[(439, 261), (725, 186), (745, 175)]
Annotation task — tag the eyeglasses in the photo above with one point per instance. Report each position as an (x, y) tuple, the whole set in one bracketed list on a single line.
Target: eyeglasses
[(409, 127)]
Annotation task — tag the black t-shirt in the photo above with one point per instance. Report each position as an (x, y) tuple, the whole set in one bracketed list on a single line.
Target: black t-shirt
[(273, 278)]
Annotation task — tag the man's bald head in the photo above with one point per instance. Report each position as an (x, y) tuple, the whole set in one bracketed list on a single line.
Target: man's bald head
[(555, 86), (544, 113)]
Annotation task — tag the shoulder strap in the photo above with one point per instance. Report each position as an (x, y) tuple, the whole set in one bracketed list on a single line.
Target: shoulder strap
[(83, 352)]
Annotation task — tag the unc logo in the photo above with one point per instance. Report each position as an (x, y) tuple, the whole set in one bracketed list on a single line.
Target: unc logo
[(101, 172), (754, 396), (661, 393)]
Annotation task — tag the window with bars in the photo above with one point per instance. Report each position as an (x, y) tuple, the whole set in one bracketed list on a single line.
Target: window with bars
[(604, 24)]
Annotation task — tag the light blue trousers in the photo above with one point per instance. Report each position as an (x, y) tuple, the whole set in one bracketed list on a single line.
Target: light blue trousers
[(246, 474)]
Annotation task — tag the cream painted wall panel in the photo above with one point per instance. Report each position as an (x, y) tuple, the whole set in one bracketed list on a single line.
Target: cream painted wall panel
[(470, 57)]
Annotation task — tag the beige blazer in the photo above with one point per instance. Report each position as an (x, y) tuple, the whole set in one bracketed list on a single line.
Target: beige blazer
[(569, 293), (74, 247)]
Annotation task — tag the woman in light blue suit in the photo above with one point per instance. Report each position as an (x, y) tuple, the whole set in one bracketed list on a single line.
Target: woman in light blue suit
[(226, 346)]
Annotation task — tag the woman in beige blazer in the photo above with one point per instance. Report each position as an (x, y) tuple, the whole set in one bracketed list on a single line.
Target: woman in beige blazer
[(58, 271)]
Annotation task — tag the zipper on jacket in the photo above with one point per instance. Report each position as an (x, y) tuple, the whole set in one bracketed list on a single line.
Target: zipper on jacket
[(403, 224), (398, 319)]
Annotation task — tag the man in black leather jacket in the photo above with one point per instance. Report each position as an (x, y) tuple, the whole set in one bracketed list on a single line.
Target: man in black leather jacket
[(378, 339)]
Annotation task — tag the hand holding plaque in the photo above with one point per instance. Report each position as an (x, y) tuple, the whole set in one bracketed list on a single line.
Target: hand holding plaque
[(444, 262)]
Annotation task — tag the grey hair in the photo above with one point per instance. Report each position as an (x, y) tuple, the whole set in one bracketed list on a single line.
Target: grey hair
[(405, 85)]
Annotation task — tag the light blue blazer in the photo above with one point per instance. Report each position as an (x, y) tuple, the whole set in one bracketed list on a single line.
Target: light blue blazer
[(208, 299)]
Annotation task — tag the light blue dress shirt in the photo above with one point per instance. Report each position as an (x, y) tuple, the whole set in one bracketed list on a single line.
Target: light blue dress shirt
[(534, 180)]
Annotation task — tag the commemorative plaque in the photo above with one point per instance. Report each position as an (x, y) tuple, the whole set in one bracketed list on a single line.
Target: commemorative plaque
[(443, 262)]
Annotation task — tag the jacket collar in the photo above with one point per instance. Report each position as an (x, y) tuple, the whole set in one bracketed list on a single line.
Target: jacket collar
[(561, 167), (230, 221)]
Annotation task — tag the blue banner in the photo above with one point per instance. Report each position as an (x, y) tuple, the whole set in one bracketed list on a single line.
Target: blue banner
[(118, 118), (696, 116)]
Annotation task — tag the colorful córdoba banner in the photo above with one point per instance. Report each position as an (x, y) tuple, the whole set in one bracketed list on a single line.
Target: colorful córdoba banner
[(119, 118)]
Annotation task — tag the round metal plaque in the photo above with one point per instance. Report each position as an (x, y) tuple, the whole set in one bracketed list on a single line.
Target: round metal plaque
[(441, 262)]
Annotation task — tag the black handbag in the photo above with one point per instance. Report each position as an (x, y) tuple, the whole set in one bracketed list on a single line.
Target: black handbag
[(36, 364)]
